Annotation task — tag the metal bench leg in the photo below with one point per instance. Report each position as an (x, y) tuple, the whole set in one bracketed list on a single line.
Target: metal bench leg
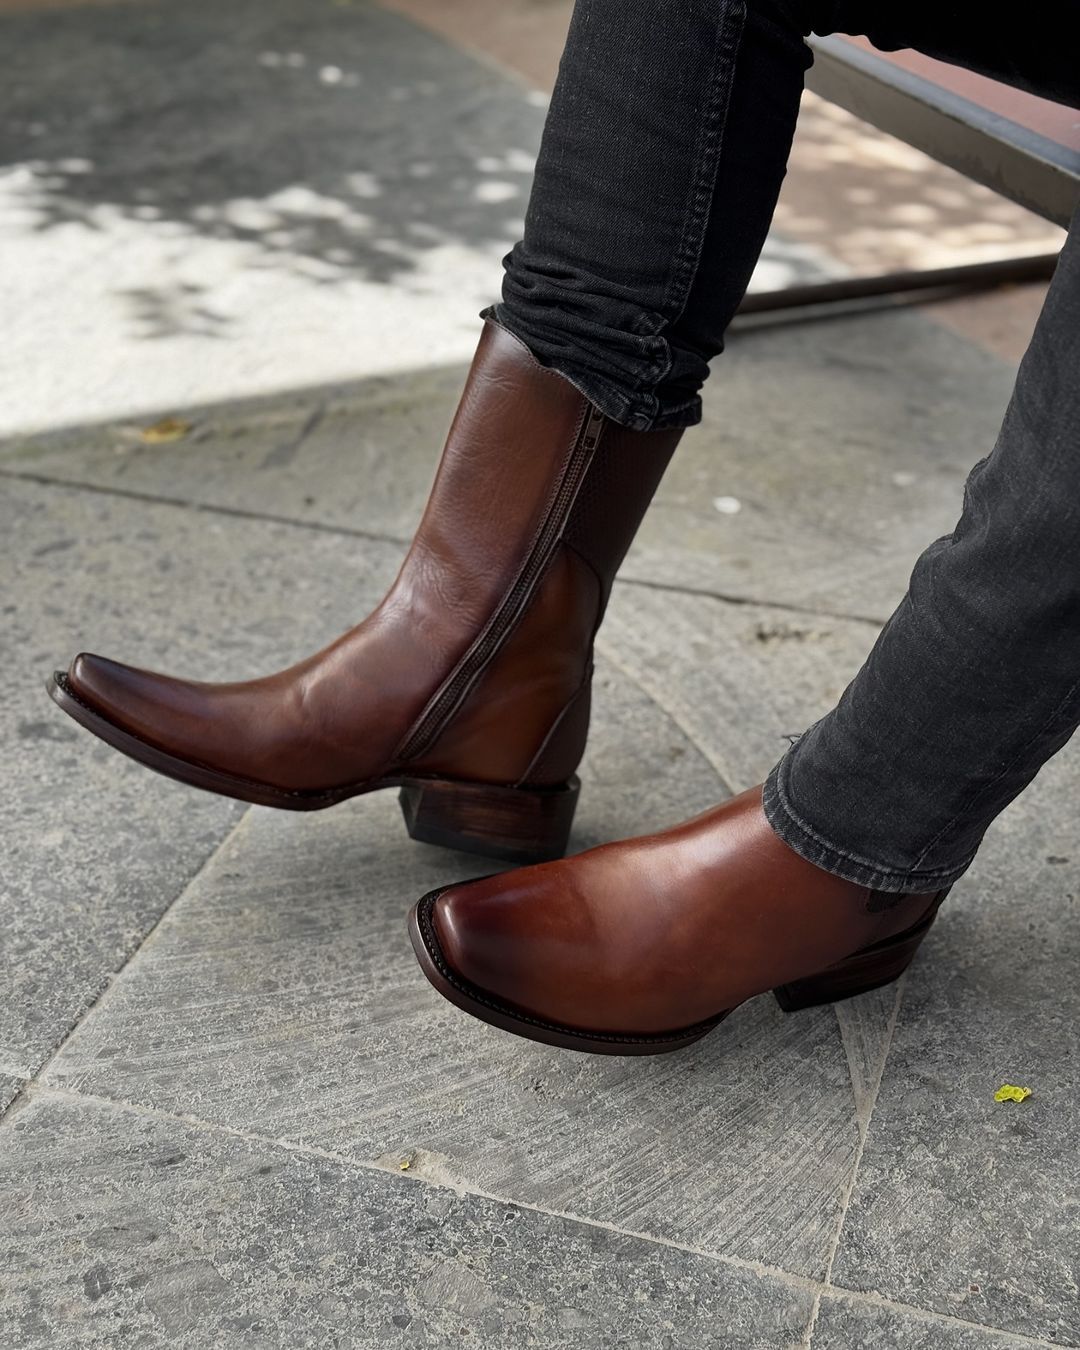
[(967, 276)]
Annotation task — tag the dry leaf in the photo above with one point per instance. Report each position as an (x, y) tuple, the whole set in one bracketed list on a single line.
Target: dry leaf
[(168, 429)]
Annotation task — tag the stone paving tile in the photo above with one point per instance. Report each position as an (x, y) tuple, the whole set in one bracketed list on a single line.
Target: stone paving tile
[(964, 1205), (845, 445), (866, 1025), (843, 1324), (739, 679), (352, 457), (130, 1229), (9, 1089), (280, 995), (94, 845), (838, 484)]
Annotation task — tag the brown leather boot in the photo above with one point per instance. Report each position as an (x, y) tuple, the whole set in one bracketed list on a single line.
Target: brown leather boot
[(468, 686), (645, 945)]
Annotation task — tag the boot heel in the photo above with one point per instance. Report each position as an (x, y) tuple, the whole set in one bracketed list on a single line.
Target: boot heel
[(871, 969), (519, 825)]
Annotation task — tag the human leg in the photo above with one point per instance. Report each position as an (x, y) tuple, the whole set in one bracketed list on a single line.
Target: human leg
[(646, 944), (974, 682)]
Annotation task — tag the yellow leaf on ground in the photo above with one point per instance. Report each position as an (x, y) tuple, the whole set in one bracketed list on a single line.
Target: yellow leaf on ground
[(1008, 1093)]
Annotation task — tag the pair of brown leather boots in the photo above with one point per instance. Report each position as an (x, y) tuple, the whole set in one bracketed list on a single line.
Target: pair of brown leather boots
[(468, 688)]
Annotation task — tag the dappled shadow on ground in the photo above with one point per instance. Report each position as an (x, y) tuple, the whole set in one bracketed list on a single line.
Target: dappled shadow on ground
[(880, 205), (335, 139)]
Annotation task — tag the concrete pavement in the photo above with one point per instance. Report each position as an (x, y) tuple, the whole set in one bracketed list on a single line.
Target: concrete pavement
[(236, 1113)]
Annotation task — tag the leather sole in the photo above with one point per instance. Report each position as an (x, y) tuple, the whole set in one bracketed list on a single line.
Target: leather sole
[(868, 969), (512, 824)]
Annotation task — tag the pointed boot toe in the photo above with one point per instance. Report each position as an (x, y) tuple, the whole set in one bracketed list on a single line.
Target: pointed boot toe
[(99, 682), (165, 723), (468, 941), (143, 702), (476, 925), (113, 699), (529, 951)]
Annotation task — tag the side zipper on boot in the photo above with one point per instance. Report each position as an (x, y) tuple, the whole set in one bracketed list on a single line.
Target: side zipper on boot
[(469, 668)]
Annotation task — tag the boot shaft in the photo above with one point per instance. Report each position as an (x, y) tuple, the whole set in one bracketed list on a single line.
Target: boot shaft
[(514, 706)]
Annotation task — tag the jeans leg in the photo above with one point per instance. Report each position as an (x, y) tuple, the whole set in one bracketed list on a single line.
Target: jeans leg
[(669, 122), (761, 117), (663, 153), (662, 157), (975, 680)]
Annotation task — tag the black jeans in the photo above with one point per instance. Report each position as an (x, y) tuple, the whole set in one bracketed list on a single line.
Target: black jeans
[(661, 161)]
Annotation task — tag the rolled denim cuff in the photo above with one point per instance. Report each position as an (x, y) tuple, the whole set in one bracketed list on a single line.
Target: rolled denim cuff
[(641, 411), (790, 824)]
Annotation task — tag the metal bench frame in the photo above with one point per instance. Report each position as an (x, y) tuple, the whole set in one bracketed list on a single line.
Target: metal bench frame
[(1021, 164)]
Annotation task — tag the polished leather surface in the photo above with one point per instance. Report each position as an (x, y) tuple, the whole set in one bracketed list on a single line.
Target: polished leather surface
[(502, 725), (664, 931), (340, 716)]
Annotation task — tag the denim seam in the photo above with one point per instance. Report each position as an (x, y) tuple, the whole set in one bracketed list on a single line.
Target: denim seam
[(688, 253), (981, 791), (874, 874), (645, 406)]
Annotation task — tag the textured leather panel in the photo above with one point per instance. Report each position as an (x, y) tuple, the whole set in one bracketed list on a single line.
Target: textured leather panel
[(623, 478)]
